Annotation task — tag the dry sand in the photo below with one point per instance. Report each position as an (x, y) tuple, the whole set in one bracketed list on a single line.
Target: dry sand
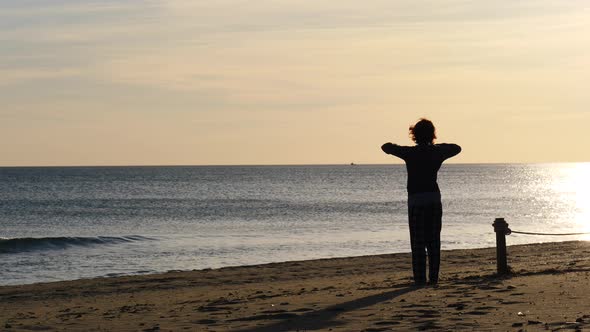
[(549, 290)]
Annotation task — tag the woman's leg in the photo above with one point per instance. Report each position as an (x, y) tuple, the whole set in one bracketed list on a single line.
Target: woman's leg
[(432, 241), (416, 221)]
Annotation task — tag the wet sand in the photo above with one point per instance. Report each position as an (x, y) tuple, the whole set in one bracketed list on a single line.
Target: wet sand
[(548, 290)]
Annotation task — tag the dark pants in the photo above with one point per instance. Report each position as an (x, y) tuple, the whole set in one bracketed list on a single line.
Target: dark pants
[(425, 226)]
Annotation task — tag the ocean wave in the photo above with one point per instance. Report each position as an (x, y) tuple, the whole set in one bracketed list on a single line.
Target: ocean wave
[(27, 244), (194, 209)]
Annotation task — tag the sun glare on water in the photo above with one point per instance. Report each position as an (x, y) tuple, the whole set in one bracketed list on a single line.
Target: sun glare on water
[(575, 187)]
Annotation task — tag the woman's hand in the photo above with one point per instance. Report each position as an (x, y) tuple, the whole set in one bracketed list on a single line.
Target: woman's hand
[(387, 147)]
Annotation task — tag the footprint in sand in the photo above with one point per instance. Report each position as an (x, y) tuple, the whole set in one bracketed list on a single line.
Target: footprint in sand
[(376, 329), (387, 322), (415, 306), (428, 313), (212, 309), (477, 313), (428, 325), (286, 315), (457, 306), (509, 302)]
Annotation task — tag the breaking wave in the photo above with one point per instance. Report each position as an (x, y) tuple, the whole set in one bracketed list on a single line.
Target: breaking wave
[(28, 244)]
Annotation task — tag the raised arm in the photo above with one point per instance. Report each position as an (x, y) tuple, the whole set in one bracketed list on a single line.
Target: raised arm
[(449, 150), (396, 150)]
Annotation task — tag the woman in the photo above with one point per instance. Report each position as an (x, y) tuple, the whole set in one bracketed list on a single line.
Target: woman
[(424, 202)]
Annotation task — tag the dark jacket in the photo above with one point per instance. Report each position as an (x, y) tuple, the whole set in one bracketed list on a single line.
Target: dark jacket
[(422, 162)]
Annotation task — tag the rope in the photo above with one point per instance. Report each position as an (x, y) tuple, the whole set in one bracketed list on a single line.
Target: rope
[(552, 234)]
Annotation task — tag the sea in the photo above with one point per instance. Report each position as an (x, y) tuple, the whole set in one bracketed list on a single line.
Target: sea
[(63, 223)]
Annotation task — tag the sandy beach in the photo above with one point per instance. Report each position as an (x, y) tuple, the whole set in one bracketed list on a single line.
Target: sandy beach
[(548, 290)]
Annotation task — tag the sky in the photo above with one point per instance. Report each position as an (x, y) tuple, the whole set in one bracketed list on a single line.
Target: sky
[(191, 82)]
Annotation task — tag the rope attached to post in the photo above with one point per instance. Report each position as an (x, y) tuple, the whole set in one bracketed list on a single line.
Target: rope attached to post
[(550, 234), (501, 229)]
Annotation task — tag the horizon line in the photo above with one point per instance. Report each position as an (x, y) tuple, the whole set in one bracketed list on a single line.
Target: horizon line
[(260, 165)]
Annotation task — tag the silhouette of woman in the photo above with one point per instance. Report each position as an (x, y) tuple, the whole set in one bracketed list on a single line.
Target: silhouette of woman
[(424, 201)]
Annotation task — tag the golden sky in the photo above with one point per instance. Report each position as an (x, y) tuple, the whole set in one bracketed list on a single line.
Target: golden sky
[(193, 82)]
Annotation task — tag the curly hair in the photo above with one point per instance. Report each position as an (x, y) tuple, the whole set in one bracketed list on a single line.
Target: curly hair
[(423, 132)]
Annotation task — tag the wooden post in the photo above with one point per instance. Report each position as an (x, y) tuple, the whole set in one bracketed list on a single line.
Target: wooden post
[(501, 229)]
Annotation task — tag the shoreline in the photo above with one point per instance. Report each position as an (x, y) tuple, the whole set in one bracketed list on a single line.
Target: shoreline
[(114, 275), (372, 293)]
